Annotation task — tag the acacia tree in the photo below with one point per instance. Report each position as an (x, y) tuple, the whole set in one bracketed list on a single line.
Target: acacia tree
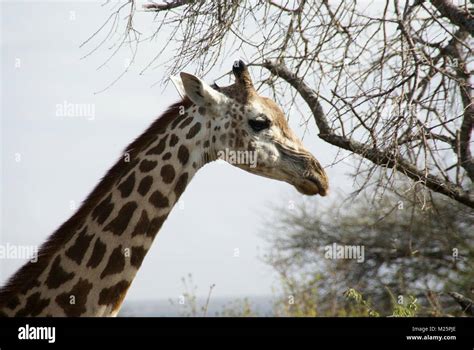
[(388, 82), (409, 250)]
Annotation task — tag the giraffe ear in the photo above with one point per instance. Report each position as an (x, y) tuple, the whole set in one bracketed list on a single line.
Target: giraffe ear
[(199, 92), (178, 84)]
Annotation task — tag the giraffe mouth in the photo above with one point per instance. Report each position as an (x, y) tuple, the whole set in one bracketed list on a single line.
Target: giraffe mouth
[(311, 186), (304, 172)]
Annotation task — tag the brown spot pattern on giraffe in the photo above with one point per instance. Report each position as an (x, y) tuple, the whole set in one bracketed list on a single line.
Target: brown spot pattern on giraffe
[(186, 122), (142, 225), (167, 156), (159, 200), (183, 154), (148, 165), (77, 251), (103, 210), (129, 166), (193, 131), (178, 120), (80, 291), (116, 263), (97, 254), (181, 184), (145, 185), (13, 303), (167, 173), (158, 149), (34, 306), (30, 284), (138, 254), (155, 225), (114, 295), (118, 225), (127, 186), (57, 275), (173, 140)]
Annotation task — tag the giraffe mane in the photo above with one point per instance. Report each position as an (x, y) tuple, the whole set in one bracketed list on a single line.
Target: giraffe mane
[(26, 277)]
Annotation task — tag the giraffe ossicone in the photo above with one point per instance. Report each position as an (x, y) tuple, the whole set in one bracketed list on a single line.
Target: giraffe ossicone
[(86, 267)]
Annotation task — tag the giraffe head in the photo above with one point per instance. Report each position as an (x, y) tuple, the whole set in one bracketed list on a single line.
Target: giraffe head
[(251, 132)]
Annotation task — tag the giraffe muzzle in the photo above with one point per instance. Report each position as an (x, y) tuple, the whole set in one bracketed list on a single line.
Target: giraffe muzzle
[(317, 176), (312, 185), (306, 175)]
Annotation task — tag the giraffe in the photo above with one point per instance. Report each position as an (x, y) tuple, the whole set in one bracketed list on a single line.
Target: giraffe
[(86, 267)]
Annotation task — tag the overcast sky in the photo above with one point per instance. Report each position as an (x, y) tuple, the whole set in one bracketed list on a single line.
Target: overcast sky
[(62, 158)]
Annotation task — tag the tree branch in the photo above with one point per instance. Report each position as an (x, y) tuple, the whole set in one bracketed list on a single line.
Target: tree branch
[(154, 7), (466, 303), (377, 156), (463, 74), (456, 15)]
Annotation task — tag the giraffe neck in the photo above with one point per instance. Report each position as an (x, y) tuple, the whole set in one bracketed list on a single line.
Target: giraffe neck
[(87, 266)]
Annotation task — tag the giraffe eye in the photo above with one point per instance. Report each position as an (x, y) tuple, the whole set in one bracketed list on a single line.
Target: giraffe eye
[(259, 124)]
